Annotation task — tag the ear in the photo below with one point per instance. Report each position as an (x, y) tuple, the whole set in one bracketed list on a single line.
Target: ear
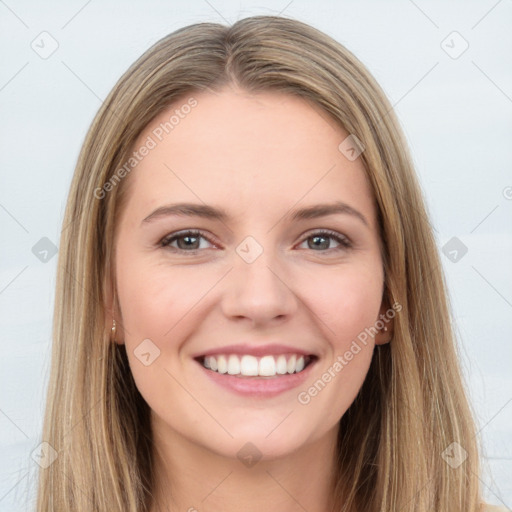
[(112, 312), (385, 323)]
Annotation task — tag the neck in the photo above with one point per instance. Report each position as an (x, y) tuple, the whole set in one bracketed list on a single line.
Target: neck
[(193, 478)]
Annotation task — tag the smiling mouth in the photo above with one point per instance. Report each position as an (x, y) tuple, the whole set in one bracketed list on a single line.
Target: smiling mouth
[(251, 366)]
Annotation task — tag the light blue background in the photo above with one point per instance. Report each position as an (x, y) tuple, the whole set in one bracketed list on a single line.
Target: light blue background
[(456, 113)]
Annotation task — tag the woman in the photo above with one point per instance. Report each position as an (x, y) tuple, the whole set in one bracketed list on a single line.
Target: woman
[(250, 309)]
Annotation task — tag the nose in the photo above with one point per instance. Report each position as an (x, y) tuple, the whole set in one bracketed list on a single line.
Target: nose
[(260, 291)]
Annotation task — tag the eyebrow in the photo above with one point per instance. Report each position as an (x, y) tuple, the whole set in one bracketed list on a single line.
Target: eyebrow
[(210, 212)]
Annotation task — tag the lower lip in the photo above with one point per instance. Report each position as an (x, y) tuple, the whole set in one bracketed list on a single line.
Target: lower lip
[(263, 387)]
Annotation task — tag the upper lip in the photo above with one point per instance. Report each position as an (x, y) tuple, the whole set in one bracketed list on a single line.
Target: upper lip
[(254, 350)]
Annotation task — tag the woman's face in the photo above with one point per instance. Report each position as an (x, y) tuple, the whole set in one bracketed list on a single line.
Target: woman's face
[(259, 286)]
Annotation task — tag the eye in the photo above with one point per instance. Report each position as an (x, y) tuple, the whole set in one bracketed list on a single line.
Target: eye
[(188, 241), (320, 240)]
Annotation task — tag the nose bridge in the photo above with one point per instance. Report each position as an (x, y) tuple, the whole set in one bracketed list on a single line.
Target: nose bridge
[(258, 286)]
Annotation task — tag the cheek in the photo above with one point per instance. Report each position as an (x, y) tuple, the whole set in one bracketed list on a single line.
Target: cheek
[(155, 298), (348, 302), (157, 305), (347, 299), (349, 307), (165, 305)]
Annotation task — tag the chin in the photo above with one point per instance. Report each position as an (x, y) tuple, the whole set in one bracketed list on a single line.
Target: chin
[(249, 441)]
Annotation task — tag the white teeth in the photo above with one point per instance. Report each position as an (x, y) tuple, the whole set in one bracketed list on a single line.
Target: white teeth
[(291, 364), (233, 365), (267, 366), (247, 365), (222, 364), (281, 367)]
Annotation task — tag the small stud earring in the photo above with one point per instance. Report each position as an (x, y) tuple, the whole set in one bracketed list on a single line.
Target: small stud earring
[(114, 330), (385, 328)]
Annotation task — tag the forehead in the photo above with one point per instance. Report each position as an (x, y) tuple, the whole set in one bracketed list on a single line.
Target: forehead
[(268, 151)]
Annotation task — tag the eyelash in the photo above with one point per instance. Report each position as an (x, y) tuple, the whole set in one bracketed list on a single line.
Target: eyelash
[(341, 239)]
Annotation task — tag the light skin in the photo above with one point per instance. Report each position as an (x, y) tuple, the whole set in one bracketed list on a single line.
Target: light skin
[(259, 158)]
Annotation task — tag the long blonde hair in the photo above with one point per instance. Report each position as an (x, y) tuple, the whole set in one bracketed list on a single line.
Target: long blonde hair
[(412, 406)]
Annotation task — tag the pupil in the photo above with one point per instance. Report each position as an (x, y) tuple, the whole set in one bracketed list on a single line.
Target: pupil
[(188, 238), (316, 238)]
